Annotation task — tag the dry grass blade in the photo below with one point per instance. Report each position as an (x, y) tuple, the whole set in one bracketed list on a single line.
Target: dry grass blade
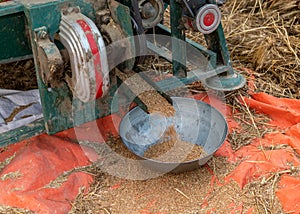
[(91, 201), (263, 192), (265, 36), (252, 124), (6, 161), (11, 175), (13, 210)]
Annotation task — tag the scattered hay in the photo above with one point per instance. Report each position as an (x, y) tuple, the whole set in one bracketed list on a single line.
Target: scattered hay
[(265, 36), (6, 161), (182, 193), (56, 183), (13, 210), (263, 192), (18, 75), (11, 175), (252, 124), (91, 201)]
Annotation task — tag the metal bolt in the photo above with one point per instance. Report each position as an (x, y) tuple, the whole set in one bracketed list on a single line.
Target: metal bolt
[(105, 19), (148, 10), (42, 34)]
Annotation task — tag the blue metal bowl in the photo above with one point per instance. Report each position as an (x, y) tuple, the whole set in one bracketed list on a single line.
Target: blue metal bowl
[(195, 121)]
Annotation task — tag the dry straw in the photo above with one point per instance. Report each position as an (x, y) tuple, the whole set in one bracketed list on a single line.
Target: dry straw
[(264, 35)]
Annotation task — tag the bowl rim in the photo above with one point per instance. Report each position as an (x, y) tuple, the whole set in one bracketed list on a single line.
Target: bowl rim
[(209, 155)]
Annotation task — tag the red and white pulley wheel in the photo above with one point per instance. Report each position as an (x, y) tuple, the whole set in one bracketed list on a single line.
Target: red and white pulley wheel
[(208, 18), (86, 49)]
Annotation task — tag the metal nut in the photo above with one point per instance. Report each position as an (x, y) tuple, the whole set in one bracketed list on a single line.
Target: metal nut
[(42, 34)]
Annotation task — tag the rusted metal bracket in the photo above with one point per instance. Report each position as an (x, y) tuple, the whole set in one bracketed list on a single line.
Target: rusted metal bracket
[(49, 58)]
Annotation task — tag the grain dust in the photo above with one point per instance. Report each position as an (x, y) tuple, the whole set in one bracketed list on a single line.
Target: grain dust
[(172, 148)]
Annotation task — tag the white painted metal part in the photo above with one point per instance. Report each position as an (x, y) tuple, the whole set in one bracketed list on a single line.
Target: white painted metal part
[(208, 18), (88, 58)]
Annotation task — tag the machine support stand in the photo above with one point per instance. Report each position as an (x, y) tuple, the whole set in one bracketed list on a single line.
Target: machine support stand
[(231, 79), (178, 35), (76, 44)]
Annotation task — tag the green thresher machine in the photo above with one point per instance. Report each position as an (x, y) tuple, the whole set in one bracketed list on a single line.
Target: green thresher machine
[(93, 37)]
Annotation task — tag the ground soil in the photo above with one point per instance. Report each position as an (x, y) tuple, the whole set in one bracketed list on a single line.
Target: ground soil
[(199, 191)]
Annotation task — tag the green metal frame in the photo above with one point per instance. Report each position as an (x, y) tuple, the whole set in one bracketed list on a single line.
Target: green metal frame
[(226, 78), (178, 33), (15, 43), (60, 109), (32, 129)]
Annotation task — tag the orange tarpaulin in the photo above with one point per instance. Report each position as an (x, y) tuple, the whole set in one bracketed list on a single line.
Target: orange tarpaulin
[(275, 152), (283, 111), (288, 193), (38, 161), (26, 181)]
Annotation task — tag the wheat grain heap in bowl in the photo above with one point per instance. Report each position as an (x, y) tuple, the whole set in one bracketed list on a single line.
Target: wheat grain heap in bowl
[(177, 142)]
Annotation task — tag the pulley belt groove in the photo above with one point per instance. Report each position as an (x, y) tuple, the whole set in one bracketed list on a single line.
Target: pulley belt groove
[(86, 48)]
